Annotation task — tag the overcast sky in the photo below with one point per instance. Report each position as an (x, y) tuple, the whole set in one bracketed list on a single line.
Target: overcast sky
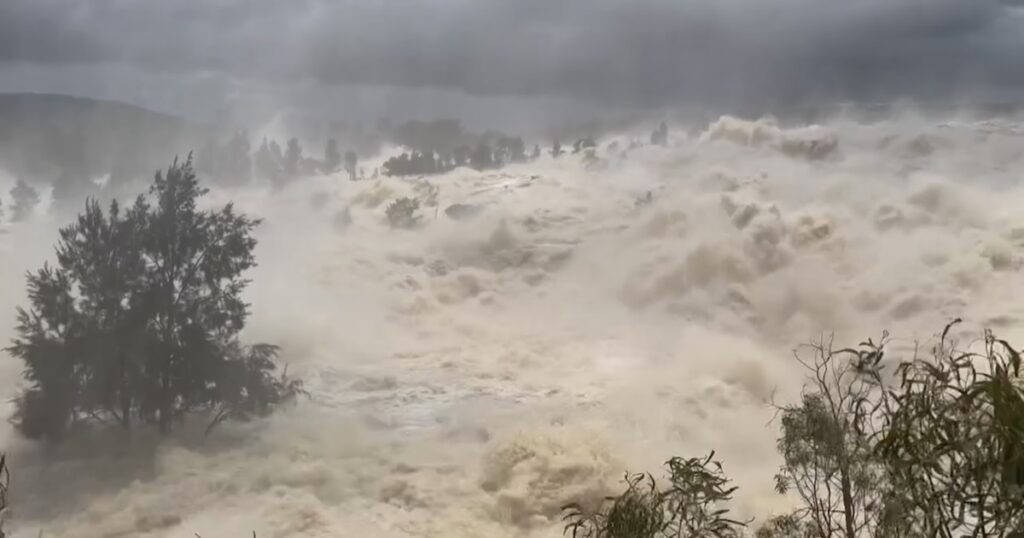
[(181, 54)]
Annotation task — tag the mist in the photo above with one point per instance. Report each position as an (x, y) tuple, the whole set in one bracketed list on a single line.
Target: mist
[(512, 249)]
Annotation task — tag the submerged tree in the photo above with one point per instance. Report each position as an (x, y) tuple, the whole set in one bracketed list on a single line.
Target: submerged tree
[(25, 199), (482, 157), (556, 149), (292, 158), (693, 505), (139, 320), (332, 156), (351, 163), (659, 136), (401, 213), (237, 166)]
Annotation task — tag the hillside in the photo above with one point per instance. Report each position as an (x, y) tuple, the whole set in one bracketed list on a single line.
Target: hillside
[(67, 140)]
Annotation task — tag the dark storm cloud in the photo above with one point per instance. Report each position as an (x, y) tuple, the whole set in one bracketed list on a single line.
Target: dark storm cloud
[(640, 52)]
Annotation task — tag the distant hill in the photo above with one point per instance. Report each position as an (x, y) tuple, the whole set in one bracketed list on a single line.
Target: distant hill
[(68, 141)]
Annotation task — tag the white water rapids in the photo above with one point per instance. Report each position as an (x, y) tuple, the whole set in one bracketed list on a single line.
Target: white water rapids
[(469, 377)]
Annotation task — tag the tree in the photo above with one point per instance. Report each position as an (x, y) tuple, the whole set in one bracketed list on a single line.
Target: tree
[(584, 144), (826, 445), (402, 213), (351, 163), (332, 156), (556, 149), (292, 158), (659, 137), (482, 157), (237, 167), (933, 451), (266, 164), (460, 156), (25, 198), (516, 150), (139, 320), (208, 158), (535, 154), (952, 441), (275, 151)]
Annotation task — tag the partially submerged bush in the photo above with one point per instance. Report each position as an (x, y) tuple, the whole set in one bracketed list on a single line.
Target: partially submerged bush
[(691, 506), (402, 213)]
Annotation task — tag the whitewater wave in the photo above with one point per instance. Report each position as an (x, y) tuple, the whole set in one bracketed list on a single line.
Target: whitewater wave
[(562, 324)]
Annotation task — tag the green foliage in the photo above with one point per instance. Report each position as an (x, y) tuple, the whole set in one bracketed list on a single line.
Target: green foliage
[(825, 444), (139, 319), (952, 439), (5, 482), (402, 213), (691, 506), (416, 163), (934, 451), (786, 526), (639, 512)]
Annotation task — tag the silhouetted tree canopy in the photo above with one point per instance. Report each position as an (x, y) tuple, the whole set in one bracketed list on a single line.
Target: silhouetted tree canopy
[(351, 164), (292, 158), (556, 149), (584, 144), (482, 157), (659, 137), (138, 321), (25, 199), (332, 156)]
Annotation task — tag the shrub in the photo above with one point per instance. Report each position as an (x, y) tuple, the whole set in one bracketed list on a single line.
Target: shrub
[(692, 506), (402, 213)]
